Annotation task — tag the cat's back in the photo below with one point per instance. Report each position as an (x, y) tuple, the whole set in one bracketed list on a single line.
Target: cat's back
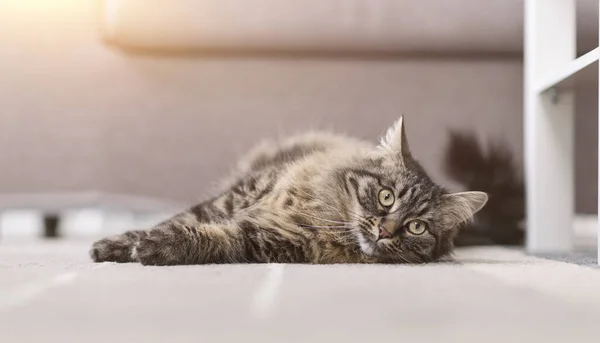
[(266, 168), (282, 154)]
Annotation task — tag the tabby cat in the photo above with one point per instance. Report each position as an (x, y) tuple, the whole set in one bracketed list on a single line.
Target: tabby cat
[(316, 198)]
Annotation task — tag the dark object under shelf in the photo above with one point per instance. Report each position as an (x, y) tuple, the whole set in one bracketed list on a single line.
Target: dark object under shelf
[(493, 171), (51, 223)]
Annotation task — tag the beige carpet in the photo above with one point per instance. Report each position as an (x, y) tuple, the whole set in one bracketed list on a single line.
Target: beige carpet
[(51, 292)]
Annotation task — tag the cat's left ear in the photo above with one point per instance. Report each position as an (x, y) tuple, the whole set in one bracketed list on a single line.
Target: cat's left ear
[(395, 140), (461, 207)]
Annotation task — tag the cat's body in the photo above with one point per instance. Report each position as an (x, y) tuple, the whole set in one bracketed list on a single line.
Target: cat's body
[(316, 198)]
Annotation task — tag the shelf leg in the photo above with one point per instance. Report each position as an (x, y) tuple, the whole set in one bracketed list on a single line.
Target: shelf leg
[(549, 127)]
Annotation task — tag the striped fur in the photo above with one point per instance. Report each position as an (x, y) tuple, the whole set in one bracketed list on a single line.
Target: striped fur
[(315, 198)]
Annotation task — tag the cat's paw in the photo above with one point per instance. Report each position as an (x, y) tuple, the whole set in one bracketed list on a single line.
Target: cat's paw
[(159, 248), (112, 249)]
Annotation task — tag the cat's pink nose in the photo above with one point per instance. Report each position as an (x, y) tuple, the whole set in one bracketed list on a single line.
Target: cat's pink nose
[(383, 233)]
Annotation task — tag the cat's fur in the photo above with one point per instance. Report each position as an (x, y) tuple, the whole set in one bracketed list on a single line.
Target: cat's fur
[(311, 199)]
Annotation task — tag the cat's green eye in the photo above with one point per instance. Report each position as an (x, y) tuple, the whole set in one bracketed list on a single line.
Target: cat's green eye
[(416, 227), (386, 197)]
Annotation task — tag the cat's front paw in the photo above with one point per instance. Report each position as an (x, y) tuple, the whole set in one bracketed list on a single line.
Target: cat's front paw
[(112, 249), (159, 248)]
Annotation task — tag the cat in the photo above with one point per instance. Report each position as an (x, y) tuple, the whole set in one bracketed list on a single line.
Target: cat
[(317, 198)]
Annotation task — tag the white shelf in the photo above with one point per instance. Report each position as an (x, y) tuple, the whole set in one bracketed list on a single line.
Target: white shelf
[(550, 34), (583, 67)]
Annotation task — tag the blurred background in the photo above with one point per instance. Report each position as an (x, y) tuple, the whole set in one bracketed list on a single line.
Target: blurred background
[(115, 114)]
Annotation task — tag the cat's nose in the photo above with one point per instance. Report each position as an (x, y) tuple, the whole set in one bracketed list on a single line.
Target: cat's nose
[(383, 233), (387, 228)]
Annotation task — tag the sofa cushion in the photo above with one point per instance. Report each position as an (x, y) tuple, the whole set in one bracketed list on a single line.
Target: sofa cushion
[(388, 26)]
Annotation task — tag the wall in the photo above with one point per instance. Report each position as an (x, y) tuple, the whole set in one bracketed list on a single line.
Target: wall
[(77, 115)]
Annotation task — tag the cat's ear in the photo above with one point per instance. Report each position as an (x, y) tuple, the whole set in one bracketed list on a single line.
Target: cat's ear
[(395, 141), (461, 207)]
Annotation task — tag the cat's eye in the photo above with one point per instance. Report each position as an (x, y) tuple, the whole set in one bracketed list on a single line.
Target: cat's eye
[(386, 197), (416, 227)]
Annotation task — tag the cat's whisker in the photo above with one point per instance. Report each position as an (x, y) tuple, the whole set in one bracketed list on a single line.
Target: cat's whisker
[(356, 214), (360, 220), (415, 261), (325, 227), (353, 215), (312, 197), (405, 259), (339, 224), (322, 219)]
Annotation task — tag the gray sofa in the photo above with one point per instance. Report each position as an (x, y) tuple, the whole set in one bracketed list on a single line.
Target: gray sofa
[(155, 100)]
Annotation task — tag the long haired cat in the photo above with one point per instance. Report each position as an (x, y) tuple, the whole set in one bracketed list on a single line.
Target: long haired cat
[(317, 198)]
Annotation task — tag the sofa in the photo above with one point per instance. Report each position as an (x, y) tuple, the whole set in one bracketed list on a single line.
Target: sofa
[(142, 105)]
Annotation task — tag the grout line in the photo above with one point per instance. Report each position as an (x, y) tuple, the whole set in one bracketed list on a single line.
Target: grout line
[(35, 289), (264, 298)]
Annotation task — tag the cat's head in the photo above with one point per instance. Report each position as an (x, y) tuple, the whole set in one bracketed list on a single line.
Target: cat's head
[(400, 214)]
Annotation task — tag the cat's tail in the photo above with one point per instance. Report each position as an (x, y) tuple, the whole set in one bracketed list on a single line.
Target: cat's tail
[(493, 171)]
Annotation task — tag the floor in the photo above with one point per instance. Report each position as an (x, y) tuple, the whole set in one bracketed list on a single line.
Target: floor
[(51, 292)]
